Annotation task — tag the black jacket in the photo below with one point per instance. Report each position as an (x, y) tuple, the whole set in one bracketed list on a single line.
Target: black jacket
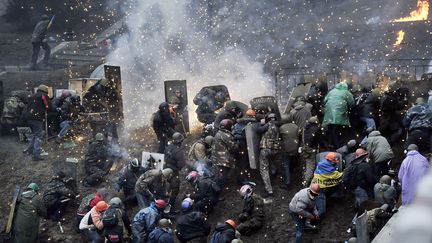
[(205, 188), (38, 104), (367, 105), (163, 124), (223, 233), (192, 225), (97, 155), (364, 174), (311, 135), (128, 178), (39, 32), (174, 158)]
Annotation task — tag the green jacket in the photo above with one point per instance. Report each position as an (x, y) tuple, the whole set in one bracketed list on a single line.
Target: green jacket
[(26, 222), (337, 102)]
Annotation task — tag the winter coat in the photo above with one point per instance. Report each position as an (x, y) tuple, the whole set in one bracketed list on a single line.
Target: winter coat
[(92, 220), (311, 135), (337, 102), (152, 184), (205, 188), (70, 109), (146, 220), (96, 156), (412, 169), (163, 124), (123, 222), (368, 104), (418, 116), (364, 174), (37, 106), (224, 114), (239, 129), (128, 178), (192, 225), (385, 194), (290, 138), (29, 208), (326, 174), (223, 149), (174, 158), (223, 233), (253, 207), (302, 204), (300, 113), (57, 190), (198, 152), (378, 147), (271, 138), (159, 235), (39, 32)]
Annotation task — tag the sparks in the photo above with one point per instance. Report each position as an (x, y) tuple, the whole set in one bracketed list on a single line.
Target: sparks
[(399, 37)]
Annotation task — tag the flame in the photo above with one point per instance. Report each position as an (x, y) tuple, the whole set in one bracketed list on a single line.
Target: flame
[(421, 13), (399, 38)]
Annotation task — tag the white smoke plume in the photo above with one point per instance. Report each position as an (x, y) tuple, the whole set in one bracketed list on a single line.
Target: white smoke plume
[(3, 6), (164, 42)]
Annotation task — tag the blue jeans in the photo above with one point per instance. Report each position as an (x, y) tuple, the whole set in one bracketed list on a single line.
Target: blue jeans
[(321, 204), (286, 162), (300, 224), (36, 138), (360, 196), (64, 128), (370, 122), (93, 236)]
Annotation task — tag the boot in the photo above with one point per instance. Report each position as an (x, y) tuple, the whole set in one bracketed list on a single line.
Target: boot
[(37, 158)]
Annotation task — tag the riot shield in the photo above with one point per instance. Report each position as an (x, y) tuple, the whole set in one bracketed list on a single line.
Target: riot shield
[(152, 160), (113, 75), (209, 99), (69, 167), (176, 96), (267, 101), (302, 89), (252, 141)]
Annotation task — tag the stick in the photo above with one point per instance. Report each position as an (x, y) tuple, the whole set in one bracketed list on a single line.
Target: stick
[(46, 126), (61, 227)]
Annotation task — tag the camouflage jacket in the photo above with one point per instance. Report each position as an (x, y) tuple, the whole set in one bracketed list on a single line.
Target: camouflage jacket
[(271, 139), (57, 190), (152, 184), (223, 149), (418, 116)]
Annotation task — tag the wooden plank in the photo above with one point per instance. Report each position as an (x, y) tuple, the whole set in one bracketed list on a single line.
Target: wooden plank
[(12, 210)]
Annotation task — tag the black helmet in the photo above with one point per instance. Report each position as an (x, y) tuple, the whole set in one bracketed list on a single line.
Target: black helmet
[(177, 138), (271, 116), (163, 106), (226, 124), (134, 163)]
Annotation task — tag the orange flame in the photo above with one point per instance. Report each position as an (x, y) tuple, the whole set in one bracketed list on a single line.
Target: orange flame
[(399, 37), (421, 13)]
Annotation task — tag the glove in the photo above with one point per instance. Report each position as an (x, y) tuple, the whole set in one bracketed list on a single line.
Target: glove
[(299, 150)]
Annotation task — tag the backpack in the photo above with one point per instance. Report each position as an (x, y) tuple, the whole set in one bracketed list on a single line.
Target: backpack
[(12, 109), (110, 217), (349, 178), (85, 203)]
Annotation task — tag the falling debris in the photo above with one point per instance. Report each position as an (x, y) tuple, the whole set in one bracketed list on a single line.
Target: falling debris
[(399, 38), (421, 13)]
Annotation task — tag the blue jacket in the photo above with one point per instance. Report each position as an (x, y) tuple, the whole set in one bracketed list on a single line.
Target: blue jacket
[(159, 235), (145, 221), (418, 116)]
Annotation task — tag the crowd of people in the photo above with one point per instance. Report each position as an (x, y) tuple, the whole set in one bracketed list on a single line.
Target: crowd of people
[(322, 142)]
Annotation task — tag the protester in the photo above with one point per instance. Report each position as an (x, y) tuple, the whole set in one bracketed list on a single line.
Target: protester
[(146, 220), (88, 202), (385, 193), (70, 111), (91, 224), (39, 40), (412, 169), (301, 112), (162, 233), (229, 112), (380, 152), (96, 162), (252, 216), (418, 121), (163, 125), (206, 191), (58, 194), (200, 151), (116, 222), (310, 145), (289, 133), (128, 178), (191, 224), (224, 232), (152, 185)]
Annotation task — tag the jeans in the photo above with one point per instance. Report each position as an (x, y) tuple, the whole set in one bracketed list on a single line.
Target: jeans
[(321, 204), (93, 236), (360, 196), (36, 49), (36, 139), (286, 162), (370, 122), (300, 224), (64, 128)]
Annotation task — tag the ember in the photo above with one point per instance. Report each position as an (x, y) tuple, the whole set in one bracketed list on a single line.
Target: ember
[(399, 38), (421, 13)]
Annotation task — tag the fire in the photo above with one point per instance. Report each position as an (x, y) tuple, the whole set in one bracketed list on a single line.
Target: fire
[(399, 38), (421, 13)]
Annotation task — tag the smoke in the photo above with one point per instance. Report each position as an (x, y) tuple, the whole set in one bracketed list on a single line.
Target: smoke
[(3, 7), (165, 42)]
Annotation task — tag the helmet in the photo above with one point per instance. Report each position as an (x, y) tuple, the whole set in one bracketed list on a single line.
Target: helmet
[(44, 17), (187, 204), (246, 191), (412, 147), (229, 105), (236, 241), (134, 163), (250, 112), (285, 118), (385, 179), (209, 140), (43, 88), (271, 116), (164, 223), (167, 173), (101, 206), (99, 137), (192, 176), (231, 222), (333, 157), (163, 106), (177, 138), (160, 204), (351, 143), (33, 186), (115, 200), (360, 152), (313, 119), (65, 93), (226, 124), (315, 188)]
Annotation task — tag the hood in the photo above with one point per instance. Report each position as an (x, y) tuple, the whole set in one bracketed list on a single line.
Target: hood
[(374, 134), (342, 86), (383, 187), (412, 153), (28, 194)]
